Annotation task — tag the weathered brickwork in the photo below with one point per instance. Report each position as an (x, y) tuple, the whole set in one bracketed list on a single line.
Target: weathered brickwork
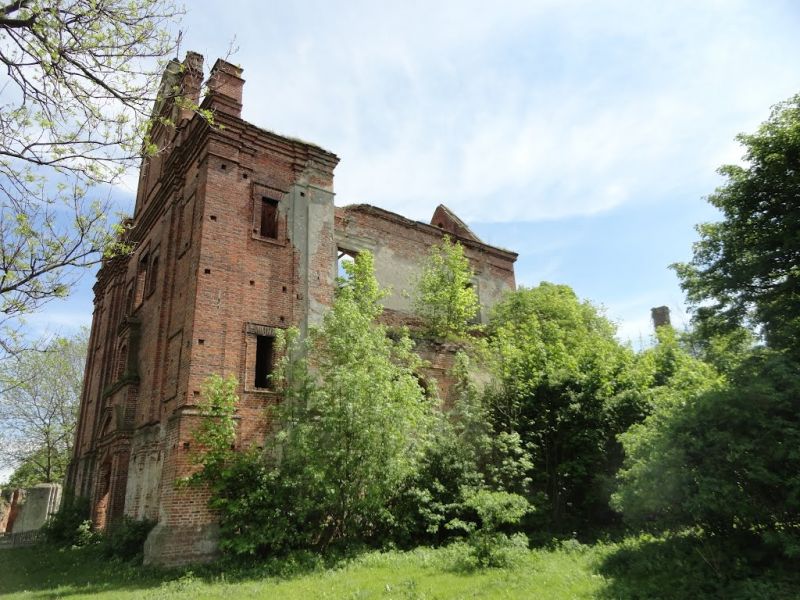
[(234, 236)]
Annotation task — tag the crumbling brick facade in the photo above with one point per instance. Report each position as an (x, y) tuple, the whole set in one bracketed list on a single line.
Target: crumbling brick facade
[(234, 237)]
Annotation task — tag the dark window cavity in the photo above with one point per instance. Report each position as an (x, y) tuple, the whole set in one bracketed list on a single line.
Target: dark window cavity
[(264, 360), (269, 218)]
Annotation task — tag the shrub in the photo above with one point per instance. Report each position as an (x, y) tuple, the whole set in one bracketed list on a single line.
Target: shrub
[(71, 525), (723, 460), (124, 539), (489, 546), (465, 452)]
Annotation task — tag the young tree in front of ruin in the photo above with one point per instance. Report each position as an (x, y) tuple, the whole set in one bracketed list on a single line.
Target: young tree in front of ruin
[(444, 297), (352, 425), (81, 79)]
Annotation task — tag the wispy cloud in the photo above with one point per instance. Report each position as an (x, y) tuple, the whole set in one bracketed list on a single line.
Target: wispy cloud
[(558, 112), (514, 111)]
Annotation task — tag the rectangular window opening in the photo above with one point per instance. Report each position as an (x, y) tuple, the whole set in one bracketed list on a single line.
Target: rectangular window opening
[(264, 360), (129, 299), (153, 276), (343, 256), (141, 279), (269, 218)]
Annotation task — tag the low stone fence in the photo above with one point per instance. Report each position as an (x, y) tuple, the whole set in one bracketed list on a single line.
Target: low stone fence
[(16, 540)]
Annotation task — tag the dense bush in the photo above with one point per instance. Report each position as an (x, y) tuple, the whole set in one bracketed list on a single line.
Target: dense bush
[(125, 538), (566, 387), (465, 455), (725, 460), (352, 427), (71, 525)]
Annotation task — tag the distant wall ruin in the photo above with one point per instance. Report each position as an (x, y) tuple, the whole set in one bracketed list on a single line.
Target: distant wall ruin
[(26, 511)]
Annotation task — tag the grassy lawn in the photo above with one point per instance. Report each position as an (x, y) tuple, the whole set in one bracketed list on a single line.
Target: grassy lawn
[(423, 573), (631, 569)]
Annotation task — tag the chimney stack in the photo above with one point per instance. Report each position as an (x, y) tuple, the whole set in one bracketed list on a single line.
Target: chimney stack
[(660, 316), (225, 86), (191, 81)]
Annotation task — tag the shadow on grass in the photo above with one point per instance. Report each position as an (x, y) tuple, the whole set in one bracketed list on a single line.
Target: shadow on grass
[(46, 572), (43, 571), (682, 567)]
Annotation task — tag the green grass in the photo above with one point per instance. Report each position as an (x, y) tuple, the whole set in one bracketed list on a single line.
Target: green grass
[(634, 568), (423, 573)]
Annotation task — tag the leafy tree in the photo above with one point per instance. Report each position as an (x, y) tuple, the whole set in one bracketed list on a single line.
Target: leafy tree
[(38, 409), (746, 268), (352, 426), (724, 348), (444, 297), (567, 387), (490, 546), (81, 78), (467, 454), (723, 458)]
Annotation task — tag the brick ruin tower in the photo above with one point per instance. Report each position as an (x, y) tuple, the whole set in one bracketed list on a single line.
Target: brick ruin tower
[(234, 236)]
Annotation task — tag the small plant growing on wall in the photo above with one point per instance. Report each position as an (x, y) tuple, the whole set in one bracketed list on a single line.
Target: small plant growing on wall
[(444, 297)]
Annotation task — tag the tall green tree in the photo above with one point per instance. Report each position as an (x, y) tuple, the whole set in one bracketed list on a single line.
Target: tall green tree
[(746, 268), (567, 387), (467, 454), (718, 452), (39, 397), (444, 297), (721, 456), (351, 428), (80, 80)]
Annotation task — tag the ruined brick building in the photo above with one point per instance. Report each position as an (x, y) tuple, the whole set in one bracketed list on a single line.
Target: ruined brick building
[(235, 236)]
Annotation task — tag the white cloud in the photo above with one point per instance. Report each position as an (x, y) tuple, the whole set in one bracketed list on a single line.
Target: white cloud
[(516, 111), (513, 111)]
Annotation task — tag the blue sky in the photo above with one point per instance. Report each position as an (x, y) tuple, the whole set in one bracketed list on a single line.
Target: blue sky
[(583, 135)]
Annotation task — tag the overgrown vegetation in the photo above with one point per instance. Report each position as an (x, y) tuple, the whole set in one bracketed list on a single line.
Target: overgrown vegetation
[(71, 527), (553, 430), (351, 429), (444, 296), (719, 453)]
